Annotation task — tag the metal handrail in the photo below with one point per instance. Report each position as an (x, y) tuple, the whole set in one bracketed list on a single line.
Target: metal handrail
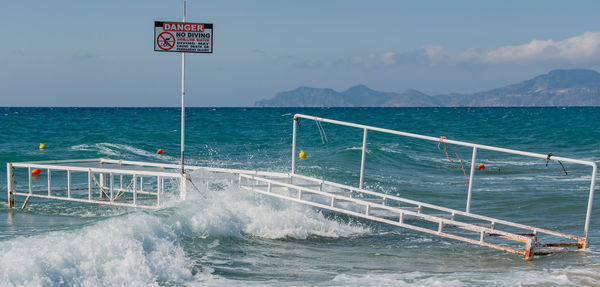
[(160, 170), (62, 165), (474, 146)]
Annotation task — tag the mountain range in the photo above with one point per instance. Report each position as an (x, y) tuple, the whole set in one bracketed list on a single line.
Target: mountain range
[(574, 87)]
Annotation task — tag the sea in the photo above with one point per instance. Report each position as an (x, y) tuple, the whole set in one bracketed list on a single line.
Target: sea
[(227, 236)]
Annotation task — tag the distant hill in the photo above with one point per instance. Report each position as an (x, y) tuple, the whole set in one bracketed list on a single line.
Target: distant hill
[(575, 87), (357, 96)]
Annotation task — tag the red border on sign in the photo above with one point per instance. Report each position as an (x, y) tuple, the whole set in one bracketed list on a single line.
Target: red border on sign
[(170, 45)]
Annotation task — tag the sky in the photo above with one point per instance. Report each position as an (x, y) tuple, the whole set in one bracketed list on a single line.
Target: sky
[(101, 53)]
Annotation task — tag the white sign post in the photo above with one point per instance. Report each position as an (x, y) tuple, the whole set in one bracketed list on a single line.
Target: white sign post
[(183, 37)]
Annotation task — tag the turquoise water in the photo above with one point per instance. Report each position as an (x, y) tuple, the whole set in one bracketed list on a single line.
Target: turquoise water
[(233, 237)]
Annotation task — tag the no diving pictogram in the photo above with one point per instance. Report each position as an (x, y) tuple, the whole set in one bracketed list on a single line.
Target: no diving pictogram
[(165, 41)]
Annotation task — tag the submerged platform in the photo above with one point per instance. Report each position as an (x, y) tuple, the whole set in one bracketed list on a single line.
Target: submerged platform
[(145, 185)]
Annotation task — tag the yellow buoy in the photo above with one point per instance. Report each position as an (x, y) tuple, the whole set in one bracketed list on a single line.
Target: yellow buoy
[(42, 146), (302, 155)]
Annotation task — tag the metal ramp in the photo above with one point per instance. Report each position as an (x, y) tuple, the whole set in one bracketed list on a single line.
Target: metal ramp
[(459, 225), (144, 185)]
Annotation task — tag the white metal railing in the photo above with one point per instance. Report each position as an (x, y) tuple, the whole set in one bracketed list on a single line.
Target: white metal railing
[(104, 178), (110, 184), (474, 146)]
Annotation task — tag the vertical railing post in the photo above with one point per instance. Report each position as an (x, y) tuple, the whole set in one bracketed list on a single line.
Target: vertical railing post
[(134, 190), (68, 183), (157, 191), (101, 182), (9, 185), (49, 182), (471, 174), (29, 174), (90, 184), (362, 159), (589, 207), (183, 187), (294, 145), (111, 181)]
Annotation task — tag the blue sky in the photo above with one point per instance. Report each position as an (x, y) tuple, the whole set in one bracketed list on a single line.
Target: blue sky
[(100, 53)]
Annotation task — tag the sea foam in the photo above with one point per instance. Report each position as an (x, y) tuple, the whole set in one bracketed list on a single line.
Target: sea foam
[(143, 248)]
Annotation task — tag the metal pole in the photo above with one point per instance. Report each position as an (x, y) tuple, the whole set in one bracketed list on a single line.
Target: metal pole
[(49, 182), (157, 191), (9, 183), (589, 208), (183, 103), (111, 181), (294, 146), (101, 182), (134, 190), (69, 183), (471, 179), (362, 160), (90, 184), (29, 174)]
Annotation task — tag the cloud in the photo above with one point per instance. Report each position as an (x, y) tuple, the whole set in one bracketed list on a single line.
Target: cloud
[(581, 50), (575, 50), (372, 61)]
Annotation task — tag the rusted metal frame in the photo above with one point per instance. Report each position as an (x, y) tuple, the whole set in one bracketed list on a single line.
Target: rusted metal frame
[(427, 217), (558, 245), (583, 239), (445, 209), (493, 231), (396, 223)]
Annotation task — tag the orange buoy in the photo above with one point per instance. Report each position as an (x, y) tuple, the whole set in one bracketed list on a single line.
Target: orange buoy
[(481, 166), (36, 171), (42, 146), (159, 151)]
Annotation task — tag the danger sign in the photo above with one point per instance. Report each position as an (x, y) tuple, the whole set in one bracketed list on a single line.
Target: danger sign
[(183, 37)]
